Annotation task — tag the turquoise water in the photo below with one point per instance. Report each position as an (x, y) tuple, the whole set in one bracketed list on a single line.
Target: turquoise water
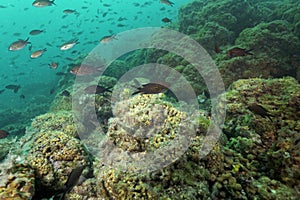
[(220, 122), (94, 20)]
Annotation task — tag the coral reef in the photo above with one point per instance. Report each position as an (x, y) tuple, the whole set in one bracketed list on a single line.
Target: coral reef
[(220, 21), (146, 148), (55, 121), (53, 154), (86, 190), (264, 146), (256, 159), (274, 46), (17, 181), (146, 123), (61, 102), (6, 145)]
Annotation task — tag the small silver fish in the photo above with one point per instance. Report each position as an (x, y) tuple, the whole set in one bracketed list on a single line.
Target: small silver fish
[(18, 45), (69, 11), (36, 32), (83, 70), (167, 2), (108, 38), (38, 53), (68, 45), (43, 3)]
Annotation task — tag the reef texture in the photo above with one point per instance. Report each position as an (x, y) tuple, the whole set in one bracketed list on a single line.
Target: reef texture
[(17, 181), (257, 156), (264, 149), (269, 28), (55, 121), (53, 154), (274, 46), (144, 124)]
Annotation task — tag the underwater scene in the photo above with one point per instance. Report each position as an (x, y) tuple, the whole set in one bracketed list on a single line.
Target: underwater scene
[(150, 99)]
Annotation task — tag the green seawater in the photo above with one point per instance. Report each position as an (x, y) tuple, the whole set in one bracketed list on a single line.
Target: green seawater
[(94, 19)]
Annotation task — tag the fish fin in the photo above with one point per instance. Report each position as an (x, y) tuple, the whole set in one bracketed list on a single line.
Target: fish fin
[(100, 69), (249, 52), (269, 117), (17, 89), (136, 92), (136, 82), (109, 89)]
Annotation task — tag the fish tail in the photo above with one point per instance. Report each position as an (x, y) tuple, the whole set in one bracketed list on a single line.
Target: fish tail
[(100, 69), (136, 92), (109, 89), (52, 2), (17, 89), (136, 82), (249, 52)]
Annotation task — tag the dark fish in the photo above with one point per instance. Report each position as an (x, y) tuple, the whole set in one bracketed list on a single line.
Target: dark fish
[(72, 181), (236, 51), (52, 91), (17, 34), (150, 88), (217, 48), (121, 25), (15, 88), (167, 2), (74, 177), (122, 19), (17, 45), (3, 134), (60, 73), (65, 93), (36, 32), (69, 11), (166, 20), (96, 89), (1, 91), (259, 110), (22, 96), (104, 14)]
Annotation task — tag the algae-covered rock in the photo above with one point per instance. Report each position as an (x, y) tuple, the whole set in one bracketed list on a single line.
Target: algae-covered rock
[(61, 102), (145, 124), (6, 144), (234, 15), (267, 144), (211, 22), (17, 181), (55, 121), (274, 47), (53, 154)]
